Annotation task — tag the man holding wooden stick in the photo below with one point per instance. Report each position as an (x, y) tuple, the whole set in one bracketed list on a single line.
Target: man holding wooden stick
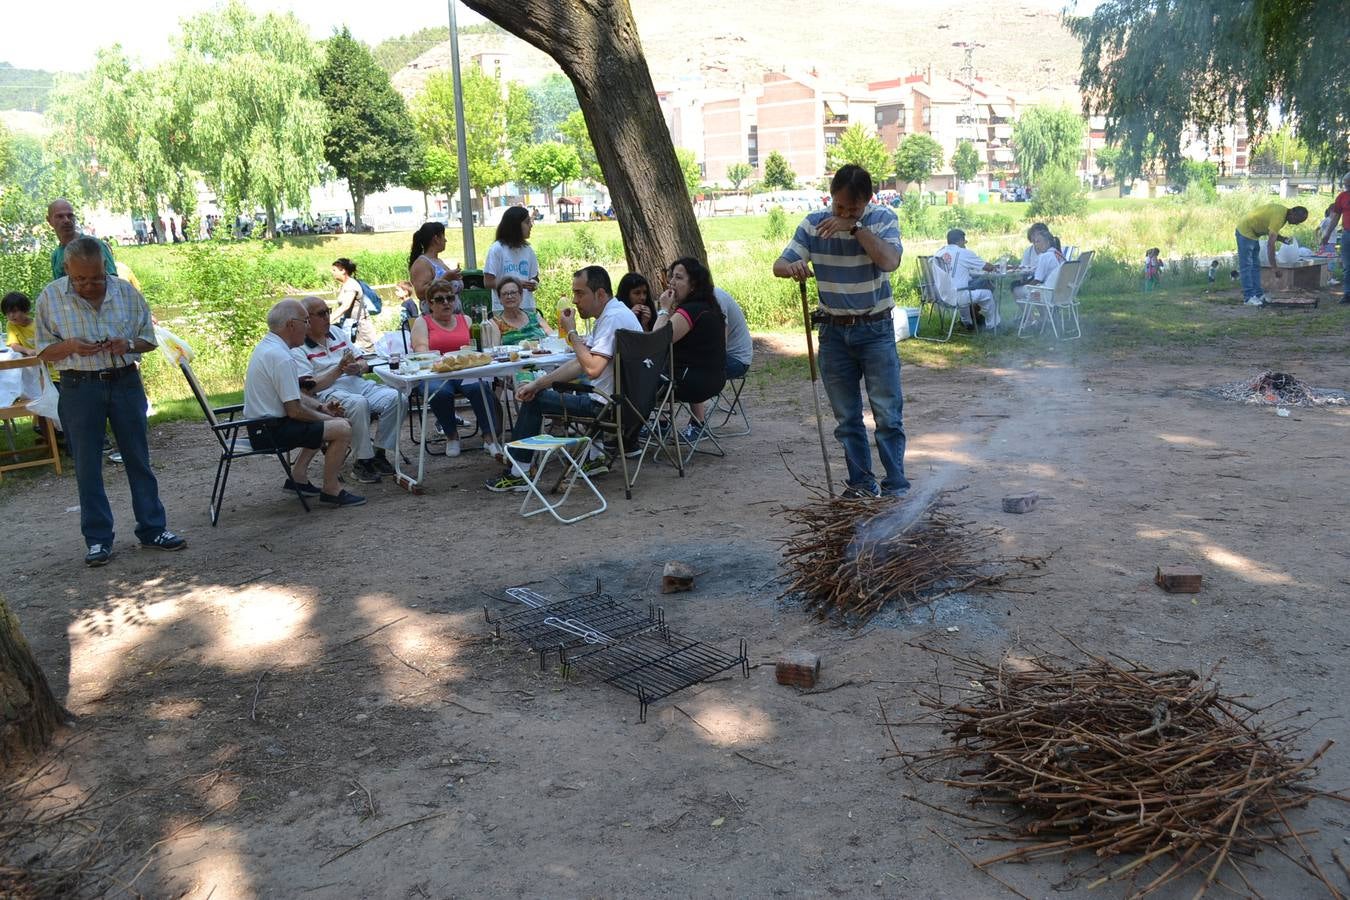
[(854, 246)]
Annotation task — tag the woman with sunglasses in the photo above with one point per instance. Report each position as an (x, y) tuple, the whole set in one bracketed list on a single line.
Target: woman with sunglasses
[(443, 329)]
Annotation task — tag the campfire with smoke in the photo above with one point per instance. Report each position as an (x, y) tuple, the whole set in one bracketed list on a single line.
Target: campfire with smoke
[(847, 559), (1279, 389)]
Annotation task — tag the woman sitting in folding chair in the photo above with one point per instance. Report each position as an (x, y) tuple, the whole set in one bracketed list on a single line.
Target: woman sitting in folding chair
[(515, 323), (699, 331), (443, 329)]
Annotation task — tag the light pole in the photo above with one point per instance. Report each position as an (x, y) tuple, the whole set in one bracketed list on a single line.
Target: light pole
[(465, 213)]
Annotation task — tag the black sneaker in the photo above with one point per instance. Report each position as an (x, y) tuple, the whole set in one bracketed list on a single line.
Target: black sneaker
[(364, 472), (98, 555), (382, 464), (506, 483), (861, 491), (165, 540), (346, 498), (303, 487)]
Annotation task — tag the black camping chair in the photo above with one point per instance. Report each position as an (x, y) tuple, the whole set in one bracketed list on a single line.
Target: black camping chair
[(644, 379), (228, 430)]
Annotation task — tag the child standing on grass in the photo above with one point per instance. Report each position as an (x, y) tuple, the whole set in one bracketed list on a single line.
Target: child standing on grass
[(1213, 270), (1153, 267)]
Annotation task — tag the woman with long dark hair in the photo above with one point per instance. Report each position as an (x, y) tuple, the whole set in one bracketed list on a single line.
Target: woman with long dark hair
[(511, 254), (350, 314), (699, 330), (424, 261), (635, 292)]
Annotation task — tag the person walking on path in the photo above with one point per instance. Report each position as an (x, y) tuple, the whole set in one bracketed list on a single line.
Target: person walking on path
[(1341, 207), (1264, 221), (94, 327), (854, 246)]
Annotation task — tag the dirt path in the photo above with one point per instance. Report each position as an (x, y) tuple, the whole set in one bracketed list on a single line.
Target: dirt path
[(268, 687)]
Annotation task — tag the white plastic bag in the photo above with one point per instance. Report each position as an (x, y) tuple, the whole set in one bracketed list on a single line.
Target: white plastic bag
[(174, 348), (48, 401)]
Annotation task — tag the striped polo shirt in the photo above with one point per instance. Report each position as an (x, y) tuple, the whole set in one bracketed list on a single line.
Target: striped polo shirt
[(849, 282), (63, 314)]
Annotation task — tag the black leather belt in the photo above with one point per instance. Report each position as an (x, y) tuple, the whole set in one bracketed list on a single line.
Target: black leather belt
[(77, 376), (825, 318)]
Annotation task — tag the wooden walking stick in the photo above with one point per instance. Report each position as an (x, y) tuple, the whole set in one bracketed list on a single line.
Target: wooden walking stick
[(815, 394)]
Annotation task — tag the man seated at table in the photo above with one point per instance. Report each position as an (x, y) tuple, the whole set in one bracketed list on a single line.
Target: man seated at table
[(965, 266), (740, 348), (336, 367), (272, 391), (595, 361)]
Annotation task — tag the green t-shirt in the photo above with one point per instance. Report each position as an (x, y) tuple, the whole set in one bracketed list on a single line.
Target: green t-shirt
[(59, 260), (1265, 219), (532, 331)]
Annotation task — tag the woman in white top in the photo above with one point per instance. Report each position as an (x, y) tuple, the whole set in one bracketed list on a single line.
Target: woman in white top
[(511, 254), (424, 262), (1047, 264)]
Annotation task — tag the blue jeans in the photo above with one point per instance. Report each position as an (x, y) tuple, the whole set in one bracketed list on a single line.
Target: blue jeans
[(736, 368), (1249, 265), (87, 409), (442, 405), (548, 402), (851, 354), (1345, 265)]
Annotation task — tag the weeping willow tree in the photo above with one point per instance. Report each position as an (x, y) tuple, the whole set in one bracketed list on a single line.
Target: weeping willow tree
[(1047, 139), (1153, 68)]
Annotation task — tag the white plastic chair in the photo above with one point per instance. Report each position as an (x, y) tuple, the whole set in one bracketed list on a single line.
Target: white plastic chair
[(947, 298), (1057, 295)]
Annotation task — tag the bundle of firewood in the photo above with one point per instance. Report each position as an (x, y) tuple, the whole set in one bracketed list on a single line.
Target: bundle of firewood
[(846, 559), (1118, 759)]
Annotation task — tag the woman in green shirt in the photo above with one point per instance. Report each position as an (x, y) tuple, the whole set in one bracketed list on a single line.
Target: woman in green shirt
[(517, 324)]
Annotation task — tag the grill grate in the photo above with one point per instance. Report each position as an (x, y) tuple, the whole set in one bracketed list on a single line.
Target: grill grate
[(602, 637), (594, 618)]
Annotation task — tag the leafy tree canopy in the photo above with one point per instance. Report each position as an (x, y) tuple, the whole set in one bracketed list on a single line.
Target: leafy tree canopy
[(1047, 137), (547, 165), (370, 140), (966, 161), (1108, 160), (1155, 67), (1279, 150), (433, 112), (435, 171), (861, 147), (25, 88), (778, 175), (394, 53), (575, 132), (738, 173), (520, 116), (916, 158), (555, 102), (689, 167)]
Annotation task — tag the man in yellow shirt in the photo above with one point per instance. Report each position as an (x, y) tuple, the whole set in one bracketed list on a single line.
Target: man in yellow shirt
[(1264, 221)]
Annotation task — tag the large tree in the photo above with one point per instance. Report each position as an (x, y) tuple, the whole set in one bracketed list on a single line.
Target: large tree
[(916, 158), (436, 171), (597, 47), (1155, 67), (555, 101), (861, 147), (258, 122), (433, 113), (29, 713), (574, 131), (1047, 137), (546, 166), (370, 140), (130, 135)]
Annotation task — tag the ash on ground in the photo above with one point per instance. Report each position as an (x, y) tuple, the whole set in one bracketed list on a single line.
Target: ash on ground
[(1279, 389)]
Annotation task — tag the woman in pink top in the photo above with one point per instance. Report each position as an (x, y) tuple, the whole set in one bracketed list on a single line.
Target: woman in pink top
[(443, 329)]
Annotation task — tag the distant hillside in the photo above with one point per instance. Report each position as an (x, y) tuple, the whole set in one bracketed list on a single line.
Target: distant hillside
[(394, 53), (25, 89), (729, 45)]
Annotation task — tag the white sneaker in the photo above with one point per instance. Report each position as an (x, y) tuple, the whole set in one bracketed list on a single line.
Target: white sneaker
[(1255, 301), (493, 449), (452, 447)]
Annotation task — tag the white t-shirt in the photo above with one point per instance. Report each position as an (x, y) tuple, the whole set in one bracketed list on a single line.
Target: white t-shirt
[(739, 345), (1029, 256), (962, 262), (1047, 267), (601, 339), (271, 379), (518, 261)]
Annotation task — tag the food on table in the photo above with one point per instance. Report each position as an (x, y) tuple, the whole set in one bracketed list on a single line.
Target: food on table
[(461, 359)]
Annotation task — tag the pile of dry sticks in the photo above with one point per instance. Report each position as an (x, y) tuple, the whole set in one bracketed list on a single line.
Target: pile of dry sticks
[(1118, 759), (846, 559)]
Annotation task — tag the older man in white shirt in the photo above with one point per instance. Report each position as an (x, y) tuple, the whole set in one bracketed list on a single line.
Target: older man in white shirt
[(966, 266)]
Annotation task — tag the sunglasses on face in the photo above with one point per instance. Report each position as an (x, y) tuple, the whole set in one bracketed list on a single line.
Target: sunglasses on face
[(443, 299)]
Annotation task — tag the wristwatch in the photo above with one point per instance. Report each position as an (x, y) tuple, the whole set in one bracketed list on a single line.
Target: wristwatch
[(854, 229)]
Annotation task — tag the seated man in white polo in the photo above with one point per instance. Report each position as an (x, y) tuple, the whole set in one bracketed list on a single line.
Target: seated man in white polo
[(336, 366), (966, 267), (272, 391)]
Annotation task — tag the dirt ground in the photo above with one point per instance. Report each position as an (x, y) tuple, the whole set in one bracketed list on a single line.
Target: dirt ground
[(262, 691)]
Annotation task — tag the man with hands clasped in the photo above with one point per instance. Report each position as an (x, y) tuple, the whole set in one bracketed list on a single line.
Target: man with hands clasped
[(93, 327), (592, 297)]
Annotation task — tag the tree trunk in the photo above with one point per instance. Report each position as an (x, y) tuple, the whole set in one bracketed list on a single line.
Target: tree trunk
[(596, 44), (29, 713), (271, 230), (358, 206), (426, 206)]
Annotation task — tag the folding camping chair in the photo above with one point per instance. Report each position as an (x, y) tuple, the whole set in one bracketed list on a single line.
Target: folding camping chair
[(571, 451), (644, 378), (729, 404), (231, 434)]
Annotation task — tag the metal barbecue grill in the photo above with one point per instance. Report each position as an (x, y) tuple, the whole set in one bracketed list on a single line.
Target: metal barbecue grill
[(601, 636)]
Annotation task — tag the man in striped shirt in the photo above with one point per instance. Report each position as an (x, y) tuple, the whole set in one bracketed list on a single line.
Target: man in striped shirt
[(854, 246)]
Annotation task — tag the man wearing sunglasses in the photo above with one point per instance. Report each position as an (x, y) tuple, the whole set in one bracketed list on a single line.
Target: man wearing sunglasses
[(336, 367), (272, 391)]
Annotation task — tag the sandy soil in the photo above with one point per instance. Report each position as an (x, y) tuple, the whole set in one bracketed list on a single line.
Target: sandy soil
[(261, 691)]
